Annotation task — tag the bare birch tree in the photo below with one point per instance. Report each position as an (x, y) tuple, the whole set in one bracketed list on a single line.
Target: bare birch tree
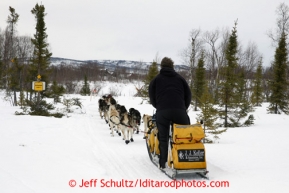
[(216, 42), (282, 22), (192, 53)]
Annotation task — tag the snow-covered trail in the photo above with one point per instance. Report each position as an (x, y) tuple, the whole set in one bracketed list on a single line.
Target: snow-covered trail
[(117, 160), (120, 160), (45, 154), (240, 159), (111, 158)]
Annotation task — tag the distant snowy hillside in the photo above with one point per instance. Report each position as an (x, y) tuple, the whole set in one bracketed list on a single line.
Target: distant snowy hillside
[(109, 64)]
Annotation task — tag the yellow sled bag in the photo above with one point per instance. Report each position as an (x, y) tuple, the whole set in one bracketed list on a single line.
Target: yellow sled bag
[(187, 133), (189, 156)]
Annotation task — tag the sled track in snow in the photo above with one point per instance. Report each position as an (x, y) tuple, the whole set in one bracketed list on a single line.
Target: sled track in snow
[(118, 159)]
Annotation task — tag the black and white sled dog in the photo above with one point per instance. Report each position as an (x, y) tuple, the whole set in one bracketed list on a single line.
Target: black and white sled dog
[(102, 107), (107, 102), (126, 125), (136, 118)]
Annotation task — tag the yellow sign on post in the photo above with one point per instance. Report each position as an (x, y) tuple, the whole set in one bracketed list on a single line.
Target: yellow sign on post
[(38, 85)]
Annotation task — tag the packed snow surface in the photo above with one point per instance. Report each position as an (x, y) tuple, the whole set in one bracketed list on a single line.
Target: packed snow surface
[(76, 153)]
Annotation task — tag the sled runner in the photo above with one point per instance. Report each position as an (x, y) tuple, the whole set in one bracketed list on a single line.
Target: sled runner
[(186, 152)]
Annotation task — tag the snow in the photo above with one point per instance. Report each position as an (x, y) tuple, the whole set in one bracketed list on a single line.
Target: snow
[(42, 154)]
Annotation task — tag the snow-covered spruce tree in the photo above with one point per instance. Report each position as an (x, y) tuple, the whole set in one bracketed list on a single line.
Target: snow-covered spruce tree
[(257, 89), (199, 82), (209, 114), (279, 84), (85, 90)]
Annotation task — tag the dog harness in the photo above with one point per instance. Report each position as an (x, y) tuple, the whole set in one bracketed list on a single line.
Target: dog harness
[(112, 120)]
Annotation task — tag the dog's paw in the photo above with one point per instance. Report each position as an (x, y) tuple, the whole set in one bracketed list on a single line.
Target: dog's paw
[(119, 133), (131, 140), (137, 132), (127, 141)]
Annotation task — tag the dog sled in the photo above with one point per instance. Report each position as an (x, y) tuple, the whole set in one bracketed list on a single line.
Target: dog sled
[(186, 152)]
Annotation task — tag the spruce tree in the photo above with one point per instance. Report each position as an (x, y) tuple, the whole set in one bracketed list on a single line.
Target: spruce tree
[(209, 115), (56, 91), (242, 105), (22, 101), (234, 102), (39, 64), (14, 67), (199, 81), (85, 90), (152, 73), (279, 85), (41, 56), (257, 94), (229, 79), (1, 72)]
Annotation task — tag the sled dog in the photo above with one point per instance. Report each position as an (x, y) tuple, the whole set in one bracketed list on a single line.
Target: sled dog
[(102, 107), (113, 115), (147, 121), (136, 118), (126, 125)]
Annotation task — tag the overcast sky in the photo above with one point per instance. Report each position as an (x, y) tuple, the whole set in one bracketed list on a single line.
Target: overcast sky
[(140, 30)]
